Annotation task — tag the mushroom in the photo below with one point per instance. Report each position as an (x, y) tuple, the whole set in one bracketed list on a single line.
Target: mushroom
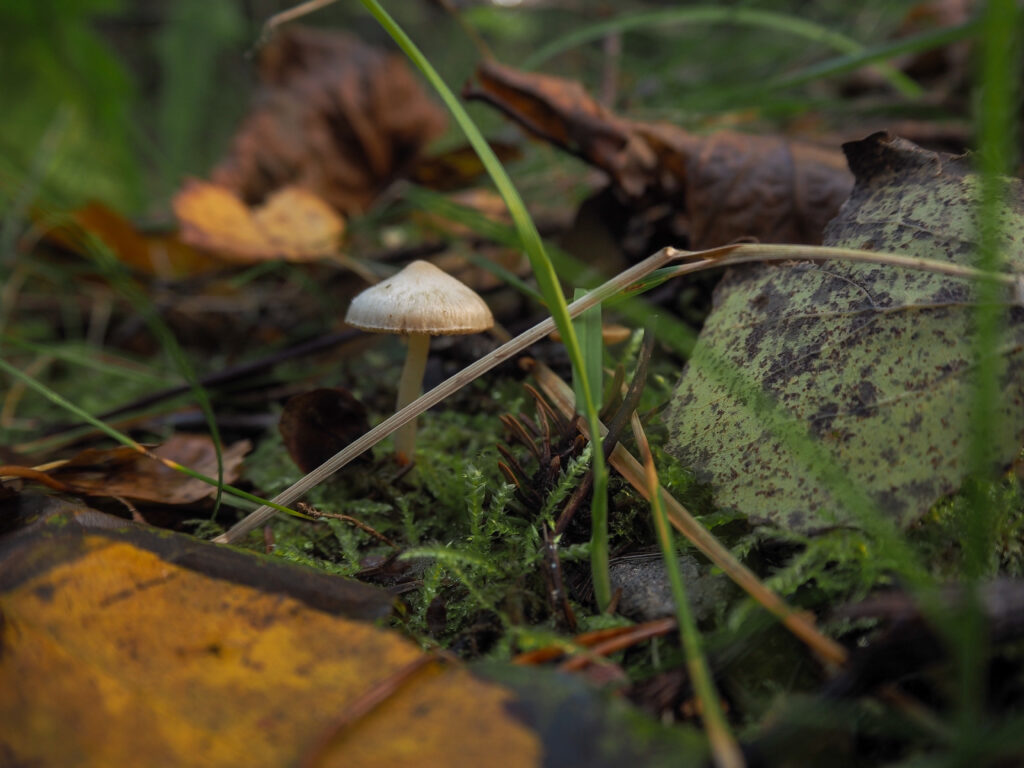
[(420, 301)]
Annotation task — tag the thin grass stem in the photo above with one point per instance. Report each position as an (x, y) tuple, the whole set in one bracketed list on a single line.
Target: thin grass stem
[(724, 749), (543, 272)]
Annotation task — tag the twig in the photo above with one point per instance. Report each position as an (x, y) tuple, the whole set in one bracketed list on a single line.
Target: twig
[(309, 347), (633, 635), (316, 514), (552, 566), (550, 652), (295, 12), (698, 261), (9, 471)]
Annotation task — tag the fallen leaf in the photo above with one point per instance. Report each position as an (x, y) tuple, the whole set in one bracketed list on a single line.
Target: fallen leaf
[(129, 646), (316, 425), (124, 472), (875, 362), (160, 255), (459, 167), (720, 188), (333, 115), (114, 640), (292, 224)]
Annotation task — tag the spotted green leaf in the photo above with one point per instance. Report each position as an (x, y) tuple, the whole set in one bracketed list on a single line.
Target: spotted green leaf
[(872, 362)]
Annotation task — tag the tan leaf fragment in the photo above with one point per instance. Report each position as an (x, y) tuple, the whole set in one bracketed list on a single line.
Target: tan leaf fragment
[(292, 224)]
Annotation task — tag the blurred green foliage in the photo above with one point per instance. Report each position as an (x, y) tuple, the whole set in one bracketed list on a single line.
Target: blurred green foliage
[(64, 86), (116, 100)]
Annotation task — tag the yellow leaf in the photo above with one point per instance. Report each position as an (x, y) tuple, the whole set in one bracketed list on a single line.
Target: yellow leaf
[(113, 654), (291, 224)]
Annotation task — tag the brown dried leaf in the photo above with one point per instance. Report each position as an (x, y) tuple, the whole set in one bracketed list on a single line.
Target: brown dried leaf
[(334, 116), (127, 473), (316, 425), (292, 224), (724, 187), (562, 113), (163, 256), (459, 167)]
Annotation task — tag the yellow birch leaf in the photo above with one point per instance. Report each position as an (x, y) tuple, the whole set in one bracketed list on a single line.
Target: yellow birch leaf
[(116, 653)]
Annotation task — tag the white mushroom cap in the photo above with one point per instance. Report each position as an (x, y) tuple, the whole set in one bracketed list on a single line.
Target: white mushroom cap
[(420, 299)]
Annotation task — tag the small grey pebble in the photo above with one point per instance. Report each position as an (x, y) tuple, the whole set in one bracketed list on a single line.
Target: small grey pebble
[(646, 593)]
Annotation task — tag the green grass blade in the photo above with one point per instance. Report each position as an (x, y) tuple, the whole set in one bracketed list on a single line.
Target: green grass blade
[(588, 329), (81, 357), (726, 752), (776, 22), (543, 271), (837, 66), (114, 271), (996, 87)]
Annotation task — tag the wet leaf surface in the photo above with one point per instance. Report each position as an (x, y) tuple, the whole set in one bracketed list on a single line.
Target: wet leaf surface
[(333, 115), (874, 362), (110, 629), (721, 188)]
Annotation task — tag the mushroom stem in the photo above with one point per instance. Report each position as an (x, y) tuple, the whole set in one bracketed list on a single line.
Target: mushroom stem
[(409, 388)]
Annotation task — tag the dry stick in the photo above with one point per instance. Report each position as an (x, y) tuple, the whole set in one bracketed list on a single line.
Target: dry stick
[(632, 636), (563, 647), (443, 390), (798, 623), (316, 514), (10, 472), (295, 12), (697, 261), (748, 252)]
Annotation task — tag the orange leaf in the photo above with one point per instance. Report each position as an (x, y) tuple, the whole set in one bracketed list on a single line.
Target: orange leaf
[(164, 256), (138, 647), (292, 224)]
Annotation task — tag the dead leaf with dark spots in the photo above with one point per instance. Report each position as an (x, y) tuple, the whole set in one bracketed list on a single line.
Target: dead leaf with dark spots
[(719, 189), (126, 473), (876, 363), (333, 115), (316, 425), (291, 224)]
